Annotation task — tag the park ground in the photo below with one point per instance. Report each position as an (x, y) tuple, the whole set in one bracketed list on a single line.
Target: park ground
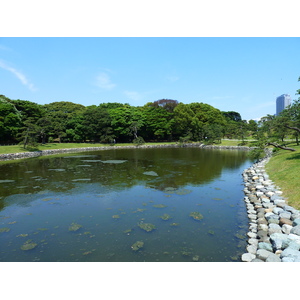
[(283, 168)]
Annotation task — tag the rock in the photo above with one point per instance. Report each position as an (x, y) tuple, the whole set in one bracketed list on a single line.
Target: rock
[(263, 254), (290, 209), (262, 221), (296, 230), (283, 221), (247, 257), (291, 253), (273, 258), (274, 221), (286, 228), (285, 214), (257, 260), (296, 222), (279, 240), (274, 228), (251, 234), (265, 246), (263, 227), (277, 210), (252, 249), (253, 241)]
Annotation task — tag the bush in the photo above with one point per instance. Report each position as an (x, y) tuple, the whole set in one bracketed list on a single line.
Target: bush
[(138, 141)]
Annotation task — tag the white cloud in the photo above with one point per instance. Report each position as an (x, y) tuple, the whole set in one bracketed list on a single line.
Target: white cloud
[(103, 81), (19, 75), (135, 96)]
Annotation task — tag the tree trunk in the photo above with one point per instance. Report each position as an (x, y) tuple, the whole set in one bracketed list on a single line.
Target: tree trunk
[(281, 147)]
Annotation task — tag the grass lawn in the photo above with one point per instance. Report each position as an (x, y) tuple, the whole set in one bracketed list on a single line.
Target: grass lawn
[(284, 170)]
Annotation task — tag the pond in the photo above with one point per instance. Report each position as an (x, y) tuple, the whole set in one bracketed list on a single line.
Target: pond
[(124, 205)]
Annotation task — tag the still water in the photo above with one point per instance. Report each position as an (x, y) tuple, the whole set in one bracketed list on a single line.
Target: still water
[(125, 205)]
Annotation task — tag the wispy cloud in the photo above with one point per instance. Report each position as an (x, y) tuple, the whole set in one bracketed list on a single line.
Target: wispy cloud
[(135, 96), (103, 81), (19, 75)]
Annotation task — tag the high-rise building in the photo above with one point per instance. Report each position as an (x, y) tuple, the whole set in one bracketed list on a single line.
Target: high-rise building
[(282, 102)]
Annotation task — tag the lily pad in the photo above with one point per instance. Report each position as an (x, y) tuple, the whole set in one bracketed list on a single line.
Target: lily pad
[(211, 232), (147, 226), (165, 217), (159, 205), (74, 227), (137, 245), (116, 217), (150, 173), (196, 215), (127, 231), (4, 229), (28, 245)]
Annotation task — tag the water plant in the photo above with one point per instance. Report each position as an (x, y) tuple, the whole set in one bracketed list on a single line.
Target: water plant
[(4, 229), (147, 226), (196, 215), (74, 227), (116, 217), (165, 217), (137, 245), (28, 245), (159, 205)]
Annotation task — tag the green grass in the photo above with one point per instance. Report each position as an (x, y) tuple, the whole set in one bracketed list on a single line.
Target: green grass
[(284, 170), (52, 146)]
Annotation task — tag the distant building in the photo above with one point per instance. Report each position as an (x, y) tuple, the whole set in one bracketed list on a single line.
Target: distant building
[(282, 102)]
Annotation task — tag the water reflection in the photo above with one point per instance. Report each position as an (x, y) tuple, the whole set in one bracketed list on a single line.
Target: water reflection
[(111, 196)]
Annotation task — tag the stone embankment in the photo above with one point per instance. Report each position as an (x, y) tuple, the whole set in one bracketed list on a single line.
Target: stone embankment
[(13, 156), (274, 226)]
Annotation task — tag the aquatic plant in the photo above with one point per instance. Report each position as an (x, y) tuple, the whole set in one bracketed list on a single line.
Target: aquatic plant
[(116, 217), (165, 217), (137, 245), (28, 245), (196, 215), (159, 205), (174, 224), (74, 227), (147, 226), (4, 229)]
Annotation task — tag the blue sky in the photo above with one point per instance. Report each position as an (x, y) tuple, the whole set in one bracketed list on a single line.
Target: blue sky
[(230, 73)]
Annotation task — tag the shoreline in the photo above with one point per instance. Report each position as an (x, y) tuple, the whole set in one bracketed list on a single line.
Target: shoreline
[(22, 155), (274, 226)]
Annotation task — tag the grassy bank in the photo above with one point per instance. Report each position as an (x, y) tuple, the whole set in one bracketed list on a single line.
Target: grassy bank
[(52, 146), (283, 169)]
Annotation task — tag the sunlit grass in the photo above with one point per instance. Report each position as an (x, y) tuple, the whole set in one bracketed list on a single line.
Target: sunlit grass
[(284, 170)]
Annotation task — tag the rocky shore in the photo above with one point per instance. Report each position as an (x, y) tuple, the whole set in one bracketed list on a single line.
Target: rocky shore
[(274, 226)]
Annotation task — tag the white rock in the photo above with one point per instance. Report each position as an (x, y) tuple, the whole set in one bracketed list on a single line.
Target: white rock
[(247, 257), (286, 228)]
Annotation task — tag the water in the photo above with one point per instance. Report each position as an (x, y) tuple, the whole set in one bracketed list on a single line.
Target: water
[(90, 206)]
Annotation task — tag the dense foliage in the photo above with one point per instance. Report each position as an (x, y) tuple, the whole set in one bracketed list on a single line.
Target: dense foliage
[(163, 120)]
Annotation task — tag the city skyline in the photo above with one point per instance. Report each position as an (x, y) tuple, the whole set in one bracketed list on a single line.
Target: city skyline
[(282, 102)]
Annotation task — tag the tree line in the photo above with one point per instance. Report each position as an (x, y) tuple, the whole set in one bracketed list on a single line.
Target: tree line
[(163, 120)]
